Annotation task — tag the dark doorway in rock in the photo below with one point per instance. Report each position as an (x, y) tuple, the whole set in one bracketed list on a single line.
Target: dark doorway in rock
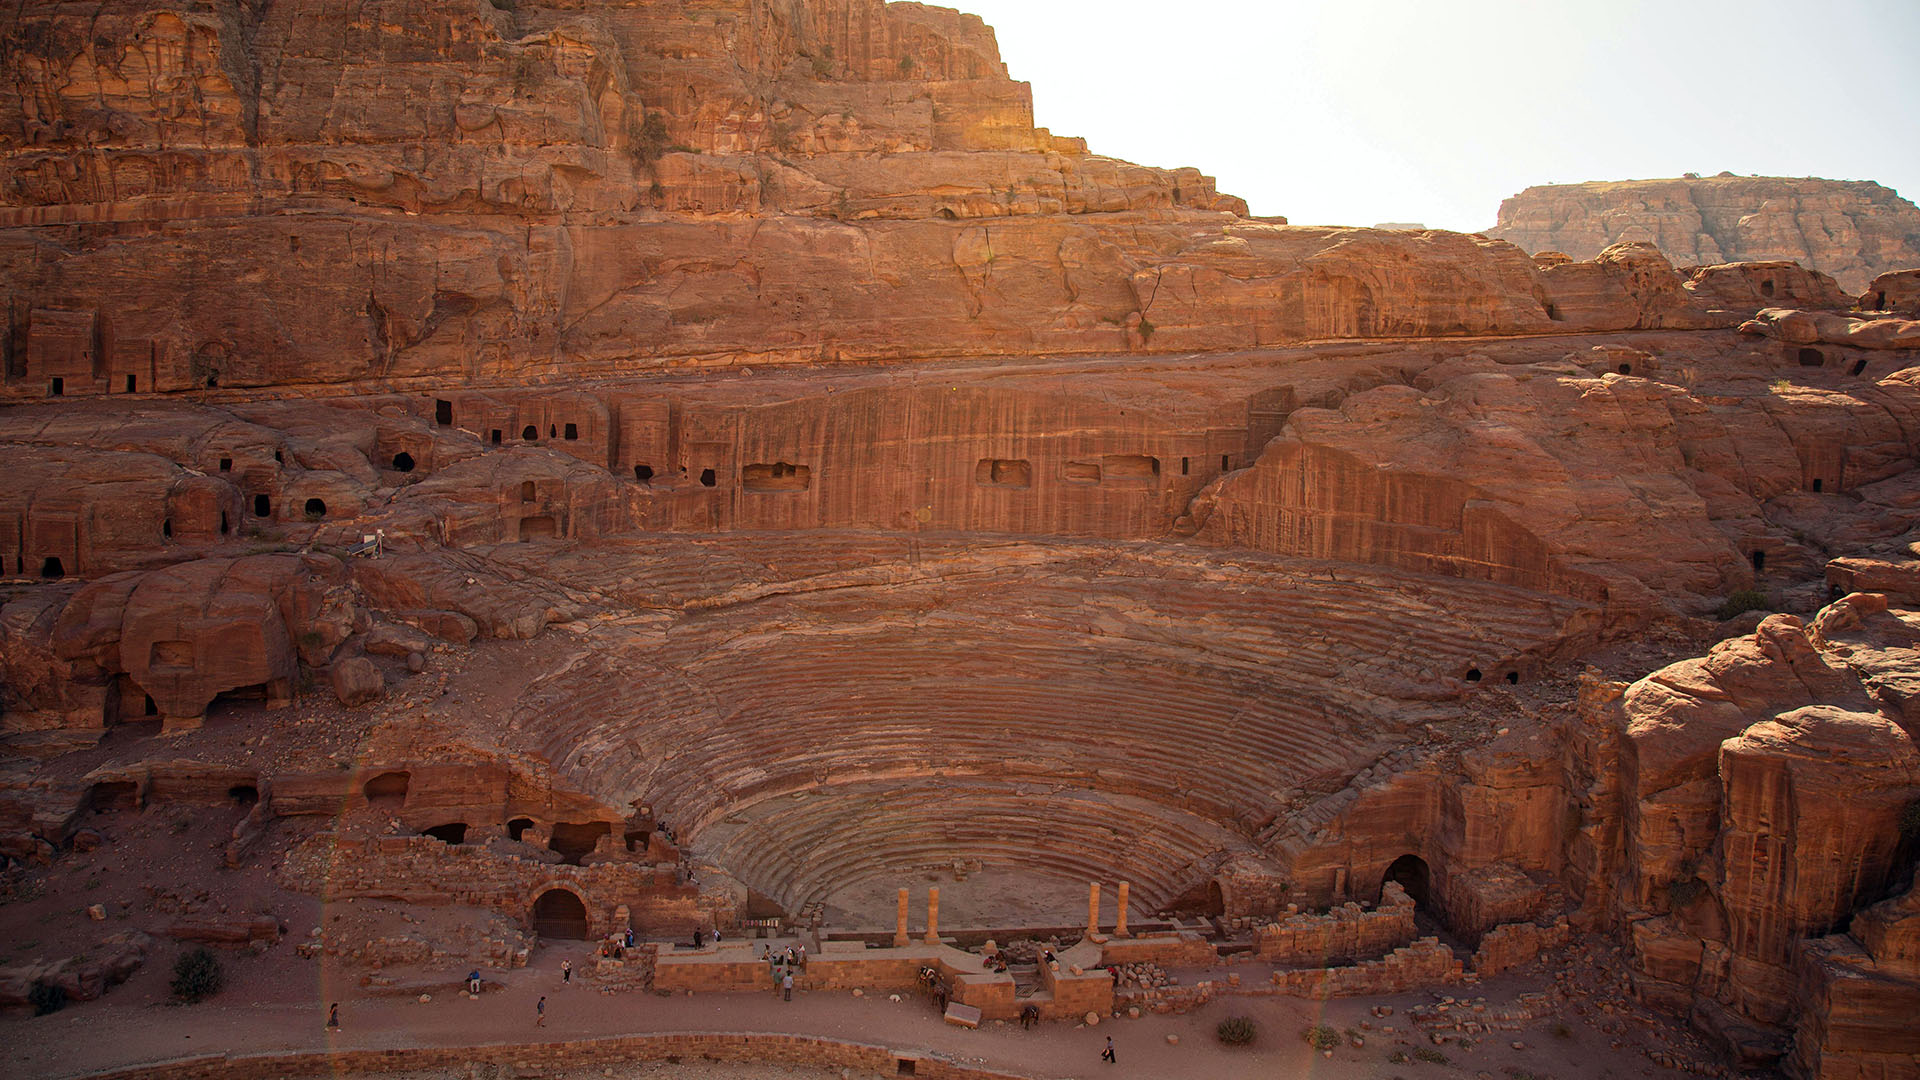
[(1759, 561), (518, 827), (53, 568), (529, 434), (130, 384), (638, 839), (643, 473), (244, 795), (263, 506), (1766, 287), (1626, 369), (1412, 874), (387, 791), (113, 796), (571, 432), (1513, 678), (1816, 485), (403, 462), (226, 464), (558, 913), (1473, 674), (1811, 357), (56, 387), (1860, 368), (315, 509), (442, 412), (494, 436), (708, 478), (527, 491), (1216, 901), (453, 832), (576, 841)]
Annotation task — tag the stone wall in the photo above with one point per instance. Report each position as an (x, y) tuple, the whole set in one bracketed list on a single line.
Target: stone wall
[(1424, 964), (1348, 932)]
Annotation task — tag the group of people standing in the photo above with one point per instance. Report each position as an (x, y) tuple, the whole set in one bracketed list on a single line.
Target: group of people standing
[(782, 964)]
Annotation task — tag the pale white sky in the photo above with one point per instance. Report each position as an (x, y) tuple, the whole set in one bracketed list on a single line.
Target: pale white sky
[(1357, 112)]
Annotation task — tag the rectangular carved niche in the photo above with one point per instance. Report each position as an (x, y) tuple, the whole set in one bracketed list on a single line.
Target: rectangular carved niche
[(778, 476), (169, 656), (1137, 468), (1003, 472), (1081, 472)]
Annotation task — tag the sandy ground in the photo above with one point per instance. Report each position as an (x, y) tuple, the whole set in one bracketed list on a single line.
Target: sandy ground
[(278, 1002)]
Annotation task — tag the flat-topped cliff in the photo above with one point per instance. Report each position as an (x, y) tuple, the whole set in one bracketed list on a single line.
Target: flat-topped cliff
[(1851, 230)]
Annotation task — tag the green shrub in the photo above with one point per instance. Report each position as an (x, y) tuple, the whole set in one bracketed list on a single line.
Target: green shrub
[(1743, 601), (1429, 1055), (651, 140), (1236, 1030), (46, 998), (1321, 1037), (197, 975), (1146, 329)]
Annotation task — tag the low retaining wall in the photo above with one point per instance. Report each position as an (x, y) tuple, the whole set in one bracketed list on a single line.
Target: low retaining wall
[(573, 1056)]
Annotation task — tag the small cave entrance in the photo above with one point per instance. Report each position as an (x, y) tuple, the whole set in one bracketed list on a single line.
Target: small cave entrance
[(1513, 678), (1759, 561), (244, 796), (638, 839), (518, 827), (1473, 674), (56, 386), (453, 832), (575, 841), (315, 509), (53, 568), (643, 473), (1626, 369), (443, 412), (494, 436), (113, 796), (559, 914), (1766, 287), (1816, 486), (131, 384), (1811, 357), (571, 432), (775, 476), (529, 434), (538, 528), (403, 462), (387, 791), (1412, 874), (528, 493), (1860, 367), (708, 478), (1216, 901), (1003, 472), (263, 506)]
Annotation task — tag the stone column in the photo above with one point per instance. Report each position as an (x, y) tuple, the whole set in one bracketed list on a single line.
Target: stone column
[(900, 938), (933, 915), (1120, 922), (1093, 908)]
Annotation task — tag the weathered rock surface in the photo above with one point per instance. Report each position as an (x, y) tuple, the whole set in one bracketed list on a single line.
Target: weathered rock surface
[(1850, 230)]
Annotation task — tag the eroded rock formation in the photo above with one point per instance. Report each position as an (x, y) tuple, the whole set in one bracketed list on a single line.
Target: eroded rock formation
[(1851, 230)]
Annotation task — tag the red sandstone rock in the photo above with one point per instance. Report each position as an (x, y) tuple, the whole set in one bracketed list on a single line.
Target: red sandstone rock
[(1850, 230)]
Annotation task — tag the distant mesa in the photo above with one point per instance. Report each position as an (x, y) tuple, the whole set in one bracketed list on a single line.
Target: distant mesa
[(1401, 226), (1851, 230)]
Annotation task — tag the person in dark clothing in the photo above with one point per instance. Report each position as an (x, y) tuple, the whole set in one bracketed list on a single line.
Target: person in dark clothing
[(333, 1017), (1107, 1054), (1029, 1016)]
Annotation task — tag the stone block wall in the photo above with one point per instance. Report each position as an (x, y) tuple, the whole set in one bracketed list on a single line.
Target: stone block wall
[(1423, 964), (1348, 932)]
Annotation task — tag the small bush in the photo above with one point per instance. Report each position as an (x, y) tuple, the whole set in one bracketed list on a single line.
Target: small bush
[(1236, 1030), (1146, 329), (1429, 1055), (1321, 1037), (46, 998), (1741, 602), (197, 975), (651, 140), (1398, 1057)]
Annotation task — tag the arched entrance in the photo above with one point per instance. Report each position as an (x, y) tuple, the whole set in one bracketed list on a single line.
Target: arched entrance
[(388, 791), (558, 913), (1412, 874)]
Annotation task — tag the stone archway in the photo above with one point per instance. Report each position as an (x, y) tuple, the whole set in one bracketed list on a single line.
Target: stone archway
[(1413, 875), (559, 911)]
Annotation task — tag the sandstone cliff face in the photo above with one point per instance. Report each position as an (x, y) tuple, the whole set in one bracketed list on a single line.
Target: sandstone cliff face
[(1850, 230)]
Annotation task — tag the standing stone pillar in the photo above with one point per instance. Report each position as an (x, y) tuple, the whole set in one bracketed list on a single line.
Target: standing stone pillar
[(1093, 908), (1120, 923), (933, 915), (900, 938)]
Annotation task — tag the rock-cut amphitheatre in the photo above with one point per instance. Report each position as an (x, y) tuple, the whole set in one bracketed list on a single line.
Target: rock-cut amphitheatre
[(548, 468)]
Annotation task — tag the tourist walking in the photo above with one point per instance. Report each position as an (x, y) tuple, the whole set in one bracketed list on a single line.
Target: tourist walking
[(1107, 1054), (540, 1012), (786, 987), (473, 982), (566, 971), (333, 1017)]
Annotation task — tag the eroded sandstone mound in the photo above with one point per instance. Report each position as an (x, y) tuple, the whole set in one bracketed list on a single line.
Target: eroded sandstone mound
[(1851, 230)]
